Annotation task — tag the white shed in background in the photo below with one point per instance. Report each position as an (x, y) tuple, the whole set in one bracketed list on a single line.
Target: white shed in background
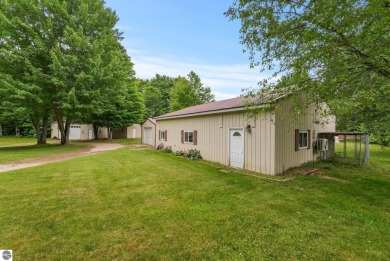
[(148, 132), (79, 132)]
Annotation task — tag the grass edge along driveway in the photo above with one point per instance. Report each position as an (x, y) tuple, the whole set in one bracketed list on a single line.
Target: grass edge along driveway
[(18, 153), (12, 140), (142, 204)]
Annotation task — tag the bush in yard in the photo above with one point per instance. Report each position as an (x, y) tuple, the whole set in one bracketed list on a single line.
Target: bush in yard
[(167, 149), (193, 154), (381, 139), (180, 153)]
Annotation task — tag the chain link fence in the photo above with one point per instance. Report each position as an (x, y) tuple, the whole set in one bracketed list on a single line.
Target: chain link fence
[(346, 148)]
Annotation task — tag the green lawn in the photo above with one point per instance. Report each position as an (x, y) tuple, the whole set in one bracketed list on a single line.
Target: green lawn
[(127, 141), (10, 140), (143, 204), (380, 157), (17, 153)]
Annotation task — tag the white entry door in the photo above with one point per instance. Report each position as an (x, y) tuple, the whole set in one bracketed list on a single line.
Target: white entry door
[(148, 136), (90, 134), (134, 133), (236, 148)]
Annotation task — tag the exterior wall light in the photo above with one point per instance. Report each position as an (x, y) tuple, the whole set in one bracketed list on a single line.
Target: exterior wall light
[(248, 128)]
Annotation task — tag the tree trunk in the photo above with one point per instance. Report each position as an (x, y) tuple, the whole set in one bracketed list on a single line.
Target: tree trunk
[(64, 128), (95, 131), (40, 131), (65, 141), (43, 133), (60, 123), (37, 129), (17, 131), (1, 131)]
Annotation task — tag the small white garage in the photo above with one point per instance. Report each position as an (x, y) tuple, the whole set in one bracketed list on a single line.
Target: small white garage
[(75, 133), (79, 132), (149, 132)]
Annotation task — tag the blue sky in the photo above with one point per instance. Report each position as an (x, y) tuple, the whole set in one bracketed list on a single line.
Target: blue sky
[(173, 37)]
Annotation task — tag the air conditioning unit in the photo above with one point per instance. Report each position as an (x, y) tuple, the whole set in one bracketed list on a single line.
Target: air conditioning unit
[(321, 145)]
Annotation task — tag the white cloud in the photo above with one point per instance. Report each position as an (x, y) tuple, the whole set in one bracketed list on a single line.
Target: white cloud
[(223, 96), (226, 81)]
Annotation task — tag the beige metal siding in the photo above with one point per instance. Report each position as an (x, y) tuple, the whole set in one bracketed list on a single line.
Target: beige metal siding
[(285, 125), (213, 138), (102, 131), (55, 131), (260, 151), (84, 131), (148, 124), (138, 131), (268, 149)]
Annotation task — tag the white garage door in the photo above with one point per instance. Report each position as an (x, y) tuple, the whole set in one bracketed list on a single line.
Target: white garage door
[(75, 132), (148, 136)]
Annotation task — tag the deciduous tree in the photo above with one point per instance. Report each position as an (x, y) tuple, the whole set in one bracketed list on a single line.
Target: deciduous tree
[(127, 109), (25, 41), (62, 57), (203, 94), (183, 94), (334, 51), (164, 84)]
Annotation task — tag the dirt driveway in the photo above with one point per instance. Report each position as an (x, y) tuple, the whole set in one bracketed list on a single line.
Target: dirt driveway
[(92, 148)]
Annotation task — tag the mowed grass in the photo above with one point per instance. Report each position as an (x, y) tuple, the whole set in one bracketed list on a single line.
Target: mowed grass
[(11, 140), (131, 141), (142, 204), (380, 157), (17, 153)]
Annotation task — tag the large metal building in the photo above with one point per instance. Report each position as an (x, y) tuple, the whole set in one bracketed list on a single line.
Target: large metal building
[(222, 131)]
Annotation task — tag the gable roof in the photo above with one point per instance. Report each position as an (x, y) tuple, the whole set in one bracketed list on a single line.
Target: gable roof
[(151, 120), (233, 104), (208, 107)]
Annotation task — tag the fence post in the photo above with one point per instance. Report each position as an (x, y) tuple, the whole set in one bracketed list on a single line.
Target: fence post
[(360, 150), (345, 146), (366, 148)]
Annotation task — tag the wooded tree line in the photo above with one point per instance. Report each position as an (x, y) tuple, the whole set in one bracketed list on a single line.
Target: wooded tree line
[(163, 94), (63, 61)]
